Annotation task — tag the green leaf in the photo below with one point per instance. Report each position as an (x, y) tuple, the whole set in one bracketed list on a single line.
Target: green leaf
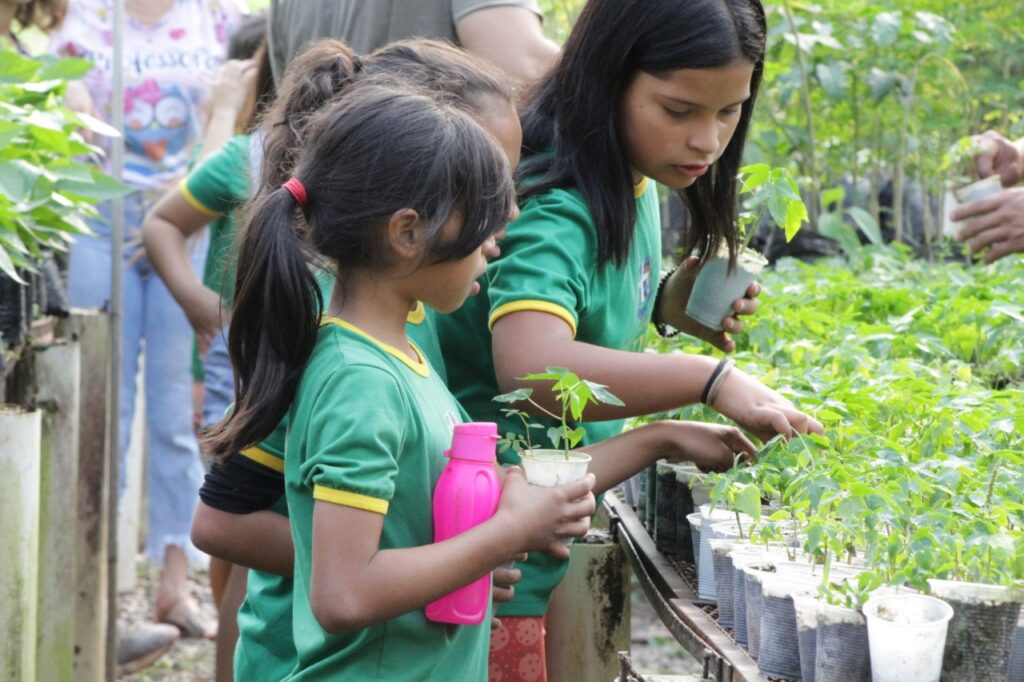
[(832, 77), (832, 226), (94, 124), (867, 225), (7, 267), (886, 28), (16, 69), (555, 436), (516, 396), (881, 83), (69, 68), (603, 395), (747, 499)]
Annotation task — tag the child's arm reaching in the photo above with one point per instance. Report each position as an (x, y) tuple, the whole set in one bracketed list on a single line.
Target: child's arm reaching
[(712, 447), (354, 583), (528, 341)]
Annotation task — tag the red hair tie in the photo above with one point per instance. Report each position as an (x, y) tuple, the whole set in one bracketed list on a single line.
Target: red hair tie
[(297, 190)]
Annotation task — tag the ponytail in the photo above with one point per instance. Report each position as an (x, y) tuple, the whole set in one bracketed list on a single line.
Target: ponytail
[(274, 321), (315, 77)]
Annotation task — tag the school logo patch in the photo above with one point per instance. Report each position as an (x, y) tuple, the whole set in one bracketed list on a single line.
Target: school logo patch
[(644, 292)]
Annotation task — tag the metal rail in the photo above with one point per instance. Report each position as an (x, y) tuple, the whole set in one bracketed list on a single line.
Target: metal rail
[(676, 603)]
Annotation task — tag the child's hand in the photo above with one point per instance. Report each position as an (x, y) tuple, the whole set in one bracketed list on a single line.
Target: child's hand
[(504, 577), (204, 310), (712, 447), (539, 518), (760, 410), (676, 294), (233, 82)]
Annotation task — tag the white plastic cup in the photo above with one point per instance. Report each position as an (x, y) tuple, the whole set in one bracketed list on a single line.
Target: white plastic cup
[(956, 198), (907, 637)]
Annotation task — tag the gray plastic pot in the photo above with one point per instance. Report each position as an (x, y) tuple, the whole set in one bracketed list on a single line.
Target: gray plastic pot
[(651, 508), (805, 609), (722, 562), (841, 646), (705, 567), (667, 501), (715, 288), (1017, 656), (779, 652), (753, 573), (980, 635)]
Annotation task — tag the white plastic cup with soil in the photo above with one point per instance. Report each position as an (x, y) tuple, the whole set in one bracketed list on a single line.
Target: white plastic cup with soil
[(753, 575), (841, 645), (741, 555), (779, 651), (717, 286), (705, 565), (548, 468), (980, 635), (956, 198), (906, 637)]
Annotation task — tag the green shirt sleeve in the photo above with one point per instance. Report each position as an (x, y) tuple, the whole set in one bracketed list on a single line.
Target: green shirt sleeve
[(551, 249), (355, 433), (220, 183)]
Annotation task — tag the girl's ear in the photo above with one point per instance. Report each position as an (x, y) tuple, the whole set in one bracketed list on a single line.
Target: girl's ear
[(406, 234)]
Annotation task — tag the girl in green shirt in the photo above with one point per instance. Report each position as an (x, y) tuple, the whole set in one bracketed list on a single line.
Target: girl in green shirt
[(645, 91), (400, 193)]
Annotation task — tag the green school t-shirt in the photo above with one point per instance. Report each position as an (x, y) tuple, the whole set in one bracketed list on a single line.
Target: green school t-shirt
[(265, 650), (548, 263), (217, 187), (368, 429)]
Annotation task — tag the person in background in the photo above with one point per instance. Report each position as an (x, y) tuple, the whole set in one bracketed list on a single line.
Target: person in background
[(172, 48), (214, 190), (505, 32), (996, 223), (45, 15)]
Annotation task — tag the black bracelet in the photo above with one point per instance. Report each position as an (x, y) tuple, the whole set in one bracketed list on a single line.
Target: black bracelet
[(659, 324), (722, 364)]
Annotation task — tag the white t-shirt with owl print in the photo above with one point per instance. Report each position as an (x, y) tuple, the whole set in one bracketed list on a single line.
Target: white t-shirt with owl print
[(168, 70)]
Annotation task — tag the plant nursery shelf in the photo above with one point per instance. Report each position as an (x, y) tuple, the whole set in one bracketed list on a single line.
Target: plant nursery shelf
[(672, 595)]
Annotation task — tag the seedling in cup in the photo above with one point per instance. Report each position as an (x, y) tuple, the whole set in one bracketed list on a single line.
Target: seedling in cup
[(572, 393), (964, 187), (772, 191)]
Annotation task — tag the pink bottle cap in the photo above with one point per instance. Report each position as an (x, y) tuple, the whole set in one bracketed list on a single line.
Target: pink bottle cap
[(474, 441)]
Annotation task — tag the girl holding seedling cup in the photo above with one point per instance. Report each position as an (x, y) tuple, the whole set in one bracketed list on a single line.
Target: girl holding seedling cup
[(646, 91)]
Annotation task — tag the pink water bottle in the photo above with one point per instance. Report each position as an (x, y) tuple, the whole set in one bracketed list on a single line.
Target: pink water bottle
[(466, 495)]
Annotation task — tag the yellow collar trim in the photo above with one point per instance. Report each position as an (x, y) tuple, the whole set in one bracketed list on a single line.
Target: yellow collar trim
[(640, 187), (418, 314), (419, 365)]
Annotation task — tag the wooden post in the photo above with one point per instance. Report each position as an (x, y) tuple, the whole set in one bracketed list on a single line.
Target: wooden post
[(20, 432), (55, 393), (90, 327), (130, 506), (588, 621)]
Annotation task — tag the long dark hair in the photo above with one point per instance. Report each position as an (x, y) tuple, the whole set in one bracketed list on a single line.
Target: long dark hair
[(570, 133), (327, 68), (371, 153)]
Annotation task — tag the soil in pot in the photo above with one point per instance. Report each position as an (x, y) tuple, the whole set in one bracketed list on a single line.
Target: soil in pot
[(841, 646), (981, 632), (906, 637), (715, 288)]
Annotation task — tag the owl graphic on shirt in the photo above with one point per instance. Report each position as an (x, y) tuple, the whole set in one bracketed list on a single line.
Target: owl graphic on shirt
[(157, 121)]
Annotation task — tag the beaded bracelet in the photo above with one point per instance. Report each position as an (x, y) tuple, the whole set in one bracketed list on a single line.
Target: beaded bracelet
[(659, 324)]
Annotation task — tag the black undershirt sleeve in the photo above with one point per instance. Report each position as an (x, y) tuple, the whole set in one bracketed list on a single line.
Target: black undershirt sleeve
[(241, 486)]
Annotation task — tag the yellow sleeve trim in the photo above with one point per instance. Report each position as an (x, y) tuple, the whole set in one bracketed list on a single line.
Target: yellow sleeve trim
[(195, 203), (537, 306), (347, 499), (265, 458), (418, 314)]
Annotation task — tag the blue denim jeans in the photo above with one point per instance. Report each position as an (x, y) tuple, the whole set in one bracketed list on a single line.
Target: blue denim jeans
[(218, 380), (154, 321)]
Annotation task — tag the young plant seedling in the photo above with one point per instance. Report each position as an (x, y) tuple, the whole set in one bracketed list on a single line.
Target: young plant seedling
[(572, 393), (774, 191)]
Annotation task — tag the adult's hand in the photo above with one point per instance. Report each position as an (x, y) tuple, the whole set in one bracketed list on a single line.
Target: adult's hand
[(995, 223), (1000, 156)]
